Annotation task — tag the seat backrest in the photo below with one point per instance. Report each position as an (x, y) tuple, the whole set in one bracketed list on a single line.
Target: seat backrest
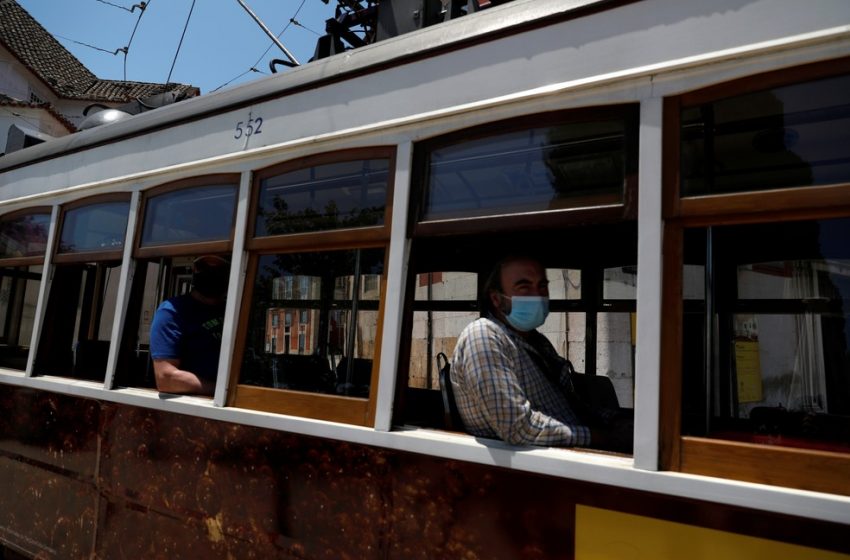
[(451, 416), (597, 391)]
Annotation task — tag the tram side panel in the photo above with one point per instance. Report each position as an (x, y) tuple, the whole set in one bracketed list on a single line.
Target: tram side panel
[(81, 477)]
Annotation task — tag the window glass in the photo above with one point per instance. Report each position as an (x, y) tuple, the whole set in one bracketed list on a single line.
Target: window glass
[(790, 136), (544, 168), (313, 322), (189, 215), (18, 297), (766, 358), (619, 283), (339, 195), (96, 227), (24, 235)]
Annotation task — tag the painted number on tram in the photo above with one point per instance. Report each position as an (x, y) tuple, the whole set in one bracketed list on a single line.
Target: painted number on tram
[(248, 128)]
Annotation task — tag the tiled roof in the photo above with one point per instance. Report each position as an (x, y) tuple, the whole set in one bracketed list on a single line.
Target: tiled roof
[(39, 51), (6, 101)]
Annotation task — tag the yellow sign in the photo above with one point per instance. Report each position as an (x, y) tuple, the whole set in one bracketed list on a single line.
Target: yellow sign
[(748, 370)]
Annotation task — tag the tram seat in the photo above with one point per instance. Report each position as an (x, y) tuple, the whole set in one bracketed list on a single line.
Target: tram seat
[(303, 372), (451, 416), (597, 391), (90, 359), (361, 377)]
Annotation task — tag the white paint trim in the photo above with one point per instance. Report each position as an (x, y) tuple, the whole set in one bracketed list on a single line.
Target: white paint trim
[(43, 289), (394, 299), (649, 261)]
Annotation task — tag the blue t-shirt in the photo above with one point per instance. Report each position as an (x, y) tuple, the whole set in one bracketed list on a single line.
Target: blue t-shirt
[(184, 328)]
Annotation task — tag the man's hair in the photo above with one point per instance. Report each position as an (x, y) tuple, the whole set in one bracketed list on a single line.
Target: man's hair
[(493, 282)]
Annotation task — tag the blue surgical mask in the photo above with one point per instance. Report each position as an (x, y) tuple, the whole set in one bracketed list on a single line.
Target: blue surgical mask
[(527, 312)]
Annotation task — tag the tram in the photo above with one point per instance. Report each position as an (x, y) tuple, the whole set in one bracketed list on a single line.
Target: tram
[(684, 168)]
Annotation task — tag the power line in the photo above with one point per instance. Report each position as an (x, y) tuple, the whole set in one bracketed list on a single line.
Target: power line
[(116, 51), (140, 5), (253, 66), (181, 41)]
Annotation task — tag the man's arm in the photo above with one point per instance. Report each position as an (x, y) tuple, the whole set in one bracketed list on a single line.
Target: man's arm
[(171, 379)]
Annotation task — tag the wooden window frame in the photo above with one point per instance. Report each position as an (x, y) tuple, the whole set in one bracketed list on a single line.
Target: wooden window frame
[(89, 256), (586, 209), (806, 469), (188, 248), (334, 408)]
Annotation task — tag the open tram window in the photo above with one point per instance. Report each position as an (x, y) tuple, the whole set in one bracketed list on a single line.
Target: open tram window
[(185, 226), (560, 186), (23, 240), (77, 329), (314, 294)]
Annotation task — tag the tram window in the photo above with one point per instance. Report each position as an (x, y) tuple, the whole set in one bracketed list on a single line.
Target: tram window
[(23, 239), (546, 168), (181, 223), (525, 185), (768, 357), (313, 299), (77, 329), (325, 342), (580, 326), (789, 136)]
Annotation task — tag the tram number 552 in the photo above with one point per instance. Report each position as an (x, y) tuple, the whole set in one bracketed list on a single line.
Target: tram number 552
[(248, 128)]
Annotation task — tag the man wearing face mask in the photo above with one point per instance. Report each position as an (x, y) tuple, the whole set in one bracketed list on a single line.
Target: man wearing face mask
[(509, 381), (186, 331)]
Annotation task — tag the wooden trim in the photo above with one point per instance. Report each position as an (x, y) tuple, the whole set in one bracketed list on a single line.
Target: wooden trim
[(22, 261), (348, 410), (324, 240), (88, 256), (325, 158), (767, 80), (819, 471), (671, 157), (96, 199), (670, 399), (530, 221), (311, 239), (571, 209), (184, 249), (27, 211), (797, 203)]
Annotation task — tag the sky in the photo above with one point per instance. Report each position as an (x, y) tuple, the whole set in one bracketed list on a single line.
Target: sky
[(221, 43)]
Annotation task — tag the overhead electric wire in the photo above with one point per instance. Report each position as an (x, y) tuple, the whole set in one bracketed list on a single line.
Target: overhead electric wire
[(116, 51), (167, 80), (253, 67), (142, 7), (131, 10)]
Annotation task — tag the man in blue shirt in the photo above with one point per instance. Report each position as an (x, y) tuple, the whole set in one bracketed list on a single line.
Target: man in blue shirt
[(186, 331)]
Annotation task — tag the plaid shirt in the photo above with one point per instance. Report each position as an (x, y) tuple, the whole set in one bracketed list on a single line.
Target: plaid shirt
[(502, 393)]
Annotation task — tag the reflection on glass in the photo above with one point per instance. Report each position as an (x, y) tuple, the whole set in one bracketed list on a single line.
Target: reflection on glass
[(790, 136), (314, 320), (778, 366), (97, 227), (24, 236), (19, 292), (528, 170), (619, 283), (324, 197), (189, 215)]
